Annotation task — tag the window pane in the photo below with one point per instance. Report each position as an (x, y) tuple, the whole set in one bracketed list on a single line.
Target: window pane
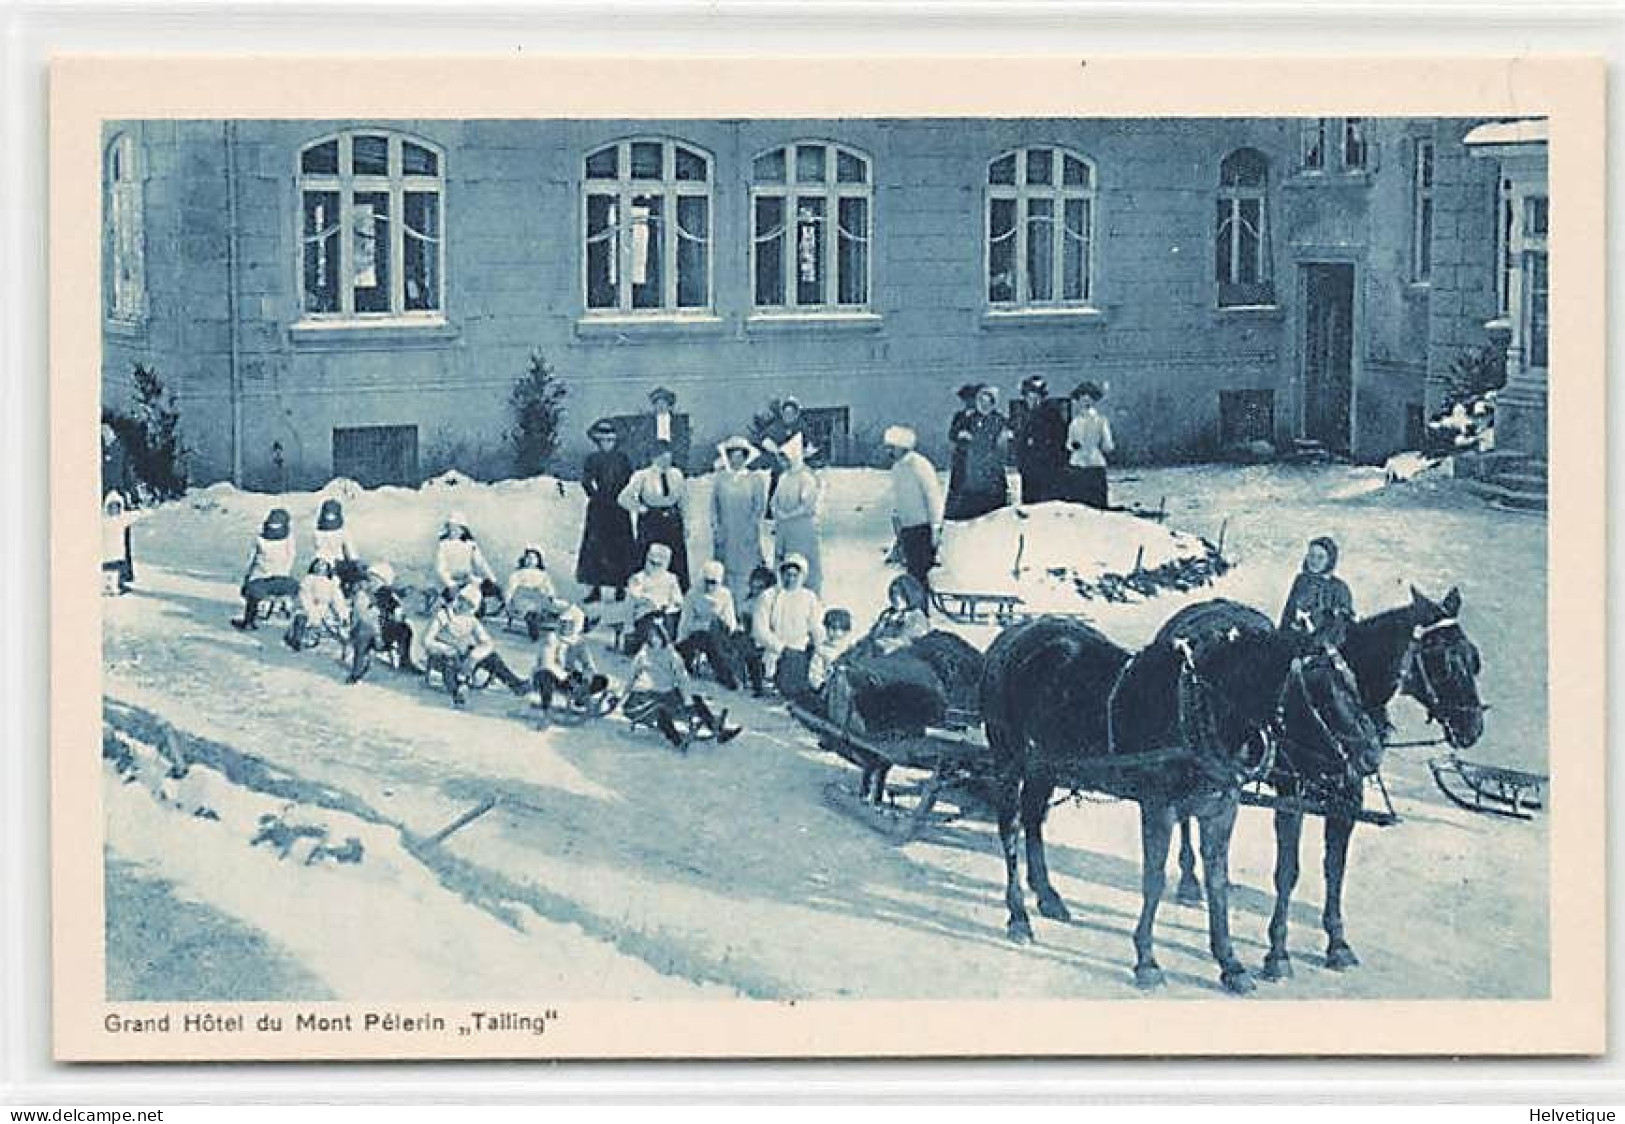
[(418, 161), (1314, 144), (1075, 251), (1534, 223), (853, 248), (770, 239), (693, 232), (321, 240), (1424, 235), (646, 267), (1040, 249), (691, 166), (604, 164), (1002, 170), (769, 167), (1535, 265), (421, 251), (1244, 167), (321, 159), (369, 254), (1249, 244), (810, 163), (1354, 142), (646, 160), (810, 251), (850, 169), (1040, 165), (603, 241), (1001, 251), (371, 156), (1223, 266), (1424, 163), (1077, 173)]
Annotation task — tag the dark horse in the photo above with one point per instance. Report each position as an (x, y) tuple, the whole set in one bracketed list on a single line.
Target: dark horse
[(1060, 701), (1418, 650)]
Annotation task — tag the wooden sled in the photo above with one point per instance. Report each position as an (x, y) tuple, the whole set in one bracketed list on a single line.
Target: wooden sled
[(1002, 609), (1488, 788), (955, 760)]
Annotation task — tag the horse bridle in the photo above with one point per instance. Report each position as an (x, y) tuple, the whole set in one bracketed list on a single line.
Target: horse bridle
[(1295, 678), (1415, 680)]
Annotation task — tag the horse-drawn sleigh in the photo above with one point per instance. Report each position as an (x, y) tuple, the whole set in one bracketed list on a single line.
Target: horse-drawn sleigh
[(1219, 710)]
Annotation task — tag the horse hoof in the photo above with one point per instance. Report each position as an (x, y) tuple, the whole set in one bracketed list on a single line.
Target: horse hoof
[(1019, 930), (1054, 909), (1340, 958), (1276, 968), (1238, 981), (1190, 893), (1147, 977)]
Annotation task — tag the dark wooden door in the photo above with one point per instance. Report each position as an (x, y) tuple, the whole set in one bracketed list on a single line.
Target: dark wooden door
[(1328, 354)]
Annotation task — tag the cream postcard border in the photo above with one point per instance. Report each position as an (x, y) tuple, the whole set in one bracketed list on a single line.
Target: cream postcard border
[(86, 90)]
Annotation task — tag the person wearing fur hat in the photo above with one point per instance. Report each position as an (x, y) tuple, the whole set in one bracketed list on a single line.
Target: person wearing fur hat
[(378, 623), (321, 606), (608, 553), (917, 508), (1089, 441), (707, 624), (530, 593), (795, 509), (118, 570), (1038, 425), (458, 560), (788, 624), (980, 450), (333, 542), (658, 497), (738, 506), (458, 645), (1319, 607), (653, 594), (564, 664), (657, 690), (270, 568)]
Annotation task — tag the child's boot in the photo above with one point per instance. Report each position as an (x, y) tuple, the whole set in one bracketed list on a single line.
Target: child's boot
[(669, 728)]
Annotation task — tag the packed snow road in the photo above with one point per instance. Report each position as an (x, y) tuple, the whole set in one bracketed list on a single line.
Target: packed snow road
[(603, 865)]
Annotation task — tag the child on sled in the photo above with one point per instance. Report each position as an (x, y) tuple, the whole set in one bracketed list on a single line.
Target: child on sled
[(658, 689), (270, 569), (458, 645), (654, 597), (321, 607), (378, 623), (530, 595), (565, 666)]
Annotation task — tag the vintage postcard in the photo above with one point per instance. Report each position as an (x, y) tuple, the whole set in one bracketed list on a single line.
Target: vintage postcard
[(668, 558)]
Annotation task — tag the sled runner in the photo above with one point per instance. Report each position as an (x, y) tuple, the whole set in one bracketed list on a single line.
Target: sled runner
[(1489, 788), (955, 759), (1002, 609), (568, 710)]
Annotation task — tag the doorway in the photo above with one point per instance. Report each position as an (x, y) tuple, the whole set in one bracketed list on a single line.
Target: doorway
[(1328, 354)]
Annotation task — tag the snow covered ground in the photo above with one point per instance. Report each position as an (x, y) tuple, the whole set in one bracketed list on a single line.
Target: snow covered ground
[(609, 867)]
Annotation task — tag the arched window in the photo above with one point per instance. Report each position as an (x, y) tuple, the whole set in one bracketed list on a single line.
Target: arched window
[(647, 227), (126, 241), (1040, 229), (371, 226), (811, 208), (1241, 230)]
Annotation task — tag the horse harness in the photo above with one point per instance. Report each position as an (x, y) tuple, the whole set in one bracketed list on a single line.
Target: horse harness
[(1414, 679)]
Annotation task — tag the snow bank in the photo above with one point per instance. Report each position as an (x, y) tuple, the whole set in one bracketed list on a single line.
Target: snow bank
[(1052, 554)]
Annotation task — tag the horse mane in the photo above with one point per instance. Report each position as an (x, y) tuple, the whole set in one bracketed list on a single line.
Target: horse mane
[(1374, 647)]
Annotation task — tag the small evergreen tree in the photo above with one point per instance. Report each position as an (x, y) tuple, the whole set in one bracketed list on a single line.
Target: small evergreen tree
[(537, 403), (151, 439)]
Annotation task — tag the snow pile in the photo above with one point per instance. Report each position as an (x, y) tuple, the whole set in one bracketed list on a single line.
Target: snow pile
[(1052, 554), (1402, 468)]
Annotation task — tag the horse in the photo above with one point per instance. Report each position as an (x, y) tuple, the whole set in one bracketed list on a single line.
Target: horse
[(1418, 650), (1060, 699)]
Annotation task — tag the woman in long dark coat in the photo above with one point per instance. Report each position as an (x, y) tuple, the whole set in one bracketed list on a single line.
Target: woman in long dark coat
[(608, 551), (985, 438), (958, 442)]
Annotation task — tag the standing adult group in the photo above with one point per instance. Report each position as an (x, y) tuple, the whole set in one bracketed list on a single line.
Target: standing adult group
[(1059, 454)]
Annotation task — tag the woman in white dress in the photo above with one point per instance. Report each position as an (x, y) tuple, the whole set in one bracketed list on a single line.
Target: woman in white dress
[(795, 509)]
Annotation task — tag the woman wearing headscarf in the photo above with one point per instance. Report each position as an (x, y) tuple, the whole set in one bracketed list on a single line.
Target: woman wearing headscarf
[(984, 442), (795, 510), (738, 506), (657, 496), (1319, 607), (608, 552)]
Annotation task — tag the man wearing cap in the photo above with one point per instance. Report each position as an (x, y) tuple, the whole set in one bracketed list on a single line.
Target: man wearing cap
[(916, 503), (1089, 440), (1039, 423)]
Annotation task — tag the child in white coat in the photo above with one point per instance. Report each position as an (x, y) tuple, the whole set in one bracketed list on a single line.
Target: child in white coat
[(530, 594), (270, 568), (788, 624), (657, 690), (321, 606)]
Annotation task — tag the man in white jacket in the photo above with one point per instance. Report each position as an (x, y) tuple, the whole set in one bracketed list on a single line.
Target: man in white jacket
[(916, 504)]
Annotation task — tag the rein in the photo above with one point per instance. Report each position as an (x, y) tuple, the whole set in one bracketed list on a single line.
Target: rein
[(1414, 680)]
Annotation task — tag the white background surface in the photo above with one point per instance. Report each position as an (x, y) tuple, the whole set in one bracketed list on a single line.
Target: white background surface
[(35, 31)]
